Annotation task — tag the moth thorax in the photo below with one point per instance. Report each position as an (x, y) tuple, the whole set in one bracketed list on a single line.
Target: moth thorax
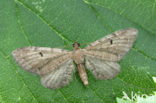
[(78, 56)]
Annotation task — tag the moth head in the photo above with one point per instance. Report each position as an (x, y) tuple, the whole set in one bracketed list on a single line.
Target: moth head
[(76, 45)]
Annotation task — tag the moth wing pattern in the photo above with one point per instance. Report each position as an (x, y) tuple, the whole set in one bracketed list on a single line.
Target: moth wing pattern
[(102, 55), (40, 60), (55, 66), (59, 77), (114, 46), (102, 69)]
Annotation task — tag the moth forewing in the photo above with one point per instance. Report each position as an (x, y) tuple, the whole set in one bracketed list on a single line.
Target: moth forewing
[(40, 60), (112, 47)]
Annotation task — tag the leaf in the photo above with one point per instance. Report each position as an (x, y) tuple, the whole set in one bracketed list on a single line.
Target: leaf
[(55, 23)]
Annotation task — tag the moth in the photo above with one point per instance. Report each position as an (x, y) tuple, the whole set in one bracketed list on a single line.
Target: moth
[(55, 66)]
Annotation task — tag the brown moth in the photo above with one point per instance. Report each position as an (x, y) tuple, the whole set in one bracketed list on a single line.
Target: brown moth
[(55, 66)]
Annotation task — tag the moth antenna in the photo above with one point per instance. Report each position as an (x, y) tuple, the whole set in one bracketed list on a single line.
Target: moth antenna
[(61, 47), (87, 43)]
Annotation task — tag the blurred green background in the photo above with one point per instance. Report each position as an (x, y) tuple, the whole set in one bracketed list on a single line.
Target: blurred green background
[(58, 23)]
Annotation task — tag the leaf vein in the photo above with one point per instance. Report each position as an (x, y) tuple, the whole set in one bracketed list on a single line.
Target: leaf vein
[(63, 37), (134, 85), (97, 94), (110, 29), (21, 26), (65, 98), (21, 78), (141, 26)]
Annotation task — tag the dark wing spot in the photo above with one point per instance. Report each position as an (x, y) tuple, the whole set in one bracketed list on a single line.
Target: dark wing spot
[(39, 68), (41, 54), (111, 41)]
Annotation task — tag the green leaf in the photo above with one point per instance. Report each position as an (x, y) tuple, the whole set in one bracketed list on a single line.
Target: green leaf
[(55, 23)]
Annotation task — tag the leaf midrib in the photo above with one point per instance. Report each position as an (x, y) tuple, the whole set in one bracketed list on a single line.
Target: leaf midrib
[(65, 38), (135, 49)]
